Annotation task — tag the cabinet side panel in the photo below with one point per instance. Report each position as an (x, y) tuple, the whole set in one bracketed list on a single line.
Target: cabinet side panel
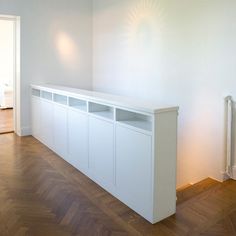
[(164, 184)]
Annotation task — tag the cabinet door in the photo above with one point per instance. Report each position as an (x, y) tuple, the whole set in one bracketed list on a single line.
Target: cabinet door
[(133, 169), (36, 117), (78, 140), (47, 123), (60, 130), (101, 161)]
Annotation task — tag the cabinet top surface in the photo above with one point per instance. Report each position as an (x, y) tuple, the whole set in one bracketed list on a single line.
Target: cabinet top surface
[(126, 102)]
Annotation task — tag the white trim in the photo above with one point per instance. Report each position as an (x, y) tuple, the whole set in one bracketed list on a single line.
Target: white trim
[(24, 131), (8, 17), (17, 77), (234, 172), (228, 134), (16, 68)]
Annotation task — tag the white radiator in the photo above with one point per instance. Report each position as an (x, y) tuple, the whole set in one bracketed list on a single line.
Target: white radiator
[(229, 135)]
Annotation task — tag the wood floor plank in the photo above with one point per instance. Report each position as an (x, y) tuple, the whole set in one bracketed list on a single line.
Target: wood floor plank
[(42, 195)]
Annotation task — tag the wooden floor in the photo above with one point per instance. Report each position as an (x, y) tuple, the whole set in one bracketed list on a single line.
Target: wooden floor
[(6, 120), (42, 195)]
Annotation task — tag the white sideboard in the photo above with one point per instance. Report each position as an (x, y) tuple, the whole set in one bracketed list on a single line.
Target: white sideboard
[(125, 146)]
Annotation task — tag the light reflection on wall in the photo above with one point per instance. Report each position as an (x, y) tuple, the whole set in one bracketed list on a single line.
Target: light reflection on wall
[(144, 28), (144, 25), (67, 50)]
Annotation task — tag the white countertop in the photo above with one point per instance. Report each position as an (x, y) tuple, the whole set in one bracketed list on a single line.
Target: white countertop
[(122, 101)]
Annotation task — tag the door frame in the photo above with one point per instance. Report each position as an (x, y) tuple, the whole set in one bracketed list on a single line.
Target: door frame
[(16, 72)]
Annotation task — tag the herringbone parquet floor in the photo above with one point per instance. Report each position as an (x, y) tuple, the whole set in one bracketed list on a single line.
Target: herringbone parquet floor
[(42, 195)]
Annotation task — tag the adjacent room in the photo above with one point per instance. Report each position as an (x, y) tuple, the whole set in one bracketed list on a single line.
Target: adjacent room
[(6, 75), (117, 117)]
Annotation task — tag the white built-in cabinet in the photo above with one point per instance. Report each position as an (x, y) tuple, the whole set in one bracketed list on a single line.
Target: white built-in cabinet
[(126, 147)]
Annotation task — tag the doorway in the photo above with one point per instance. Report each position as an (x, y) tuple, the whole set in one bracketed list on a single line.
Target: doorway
[(9, 76)]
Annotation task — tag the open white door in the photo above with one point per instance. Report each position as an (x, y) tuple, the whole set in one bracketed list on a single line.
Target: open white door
[(10, 73)]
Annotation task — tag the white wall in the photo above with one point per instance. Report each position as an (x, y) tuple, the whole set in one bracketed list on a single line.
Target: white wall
[(178, 51), (55, 44)]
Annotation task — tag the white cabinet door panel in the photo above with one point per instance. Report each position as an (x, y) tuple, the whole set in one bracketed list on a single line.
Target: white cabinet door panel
[(78, 140), (60, 130), (133, 169), (101, 148), (47, 123)]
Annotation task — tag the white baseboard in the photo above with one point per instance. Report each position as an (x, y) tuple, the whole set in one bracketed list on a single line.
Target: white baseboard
[(223, 176), (24, 131)]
